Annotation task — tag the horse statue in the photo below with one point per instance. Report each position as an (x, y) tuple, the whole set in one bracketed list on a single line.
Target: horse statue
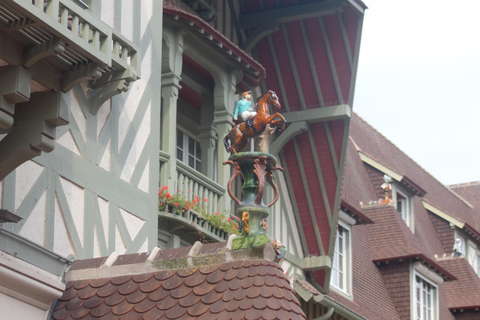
[(240, 133)]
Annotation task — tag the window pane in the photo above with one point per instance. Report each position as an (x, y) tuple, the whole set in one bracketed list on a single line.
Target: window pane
[(199, 151), (399, 206), (191, 146), (198, 166), (180, 139), (191, 161), (179, 154)]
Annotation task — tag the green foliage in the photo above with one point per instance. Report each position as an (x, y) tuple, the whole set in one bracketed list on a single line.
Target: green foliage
[(222, 221)]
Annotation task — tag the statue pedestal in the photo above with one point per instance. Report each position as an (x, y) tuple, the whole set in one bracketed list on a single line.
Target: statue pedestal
[(256, 168)]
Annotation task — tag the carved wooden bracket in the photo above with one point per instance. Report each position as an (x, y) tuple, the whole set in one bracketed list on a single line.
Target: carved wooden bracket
[(34, 130)]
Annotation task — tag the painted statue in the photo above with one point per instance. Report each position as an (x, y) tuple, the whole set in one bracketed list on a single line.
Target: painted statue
[(244, 109), (236, 140)]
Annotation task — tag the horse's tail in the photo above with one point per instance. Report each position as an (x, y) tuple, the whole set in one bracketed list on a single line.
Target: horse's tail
[(226, 144)]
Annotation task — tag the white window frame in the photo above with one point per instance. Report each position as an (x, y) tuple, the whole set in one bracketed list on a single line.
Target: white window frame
[(471, 251), (407, 212), (463, 243), (472, 255), (185, 151), (345, 223), (420, 271)]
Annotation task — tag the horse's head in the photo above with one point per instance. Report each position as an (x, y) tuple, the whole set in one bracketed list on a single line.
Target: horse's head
[(273, 99)]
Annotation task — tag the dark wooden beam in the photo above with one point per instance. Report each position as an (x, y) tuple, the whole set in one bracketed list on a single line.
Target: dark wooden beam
[(292, 13)]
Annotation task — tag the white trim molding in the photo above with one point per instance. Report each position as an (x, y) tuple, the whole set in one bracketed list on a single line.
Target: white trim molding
[(27, 283)]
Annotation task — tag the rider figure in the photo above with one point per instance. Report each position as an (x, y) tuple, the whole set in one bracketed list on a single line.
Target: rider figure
[(244, 109)]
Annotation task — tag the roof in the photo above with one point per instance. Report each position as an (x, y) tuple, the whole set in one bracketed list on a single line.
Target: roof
[(254, 72), (463, 294), (470, 192), (202, 282), (375, 145)]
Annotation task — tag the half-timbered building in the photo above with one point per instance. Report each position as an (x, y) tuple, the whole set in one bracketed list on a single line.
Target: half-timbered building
[(102, 103)]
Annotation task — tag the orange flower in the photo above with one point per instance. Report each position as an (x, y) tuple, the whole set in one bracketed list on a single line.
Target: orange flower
[(216, 213), (176, 204), (188, 206), (205, 200)]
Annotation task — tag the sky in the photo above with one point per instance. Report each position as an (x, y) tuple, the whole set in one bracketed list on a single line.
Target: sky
[(418, 82)]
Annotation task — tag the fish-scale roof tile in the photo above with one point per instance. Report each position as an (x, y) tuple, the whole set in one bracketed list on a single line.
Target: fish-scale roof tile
[(221, 291)]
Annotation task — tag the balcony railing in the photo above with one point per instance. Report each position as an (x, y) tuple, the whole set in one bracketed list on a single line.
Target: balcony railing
[(191, 219), (87, 38), (191, 182)]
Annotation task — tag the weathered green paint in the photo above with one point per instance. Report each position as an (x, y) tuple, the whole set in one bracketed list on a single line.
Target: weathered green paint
[(50, 208), (311, 63), (35, 254), (30, 200), (331, 146), (68, 218), (311, 209), (295, 207), (279, 74), (262, 31), (331, 62), (338, 190), (105, 184), (356, 56), (291, 13), (292, 130), (293, 65), (321, 182), (320, 114)]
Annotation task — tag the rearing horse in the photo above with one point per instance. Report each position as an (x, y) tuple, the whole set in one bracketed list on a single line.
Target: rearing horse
[(240, 133)]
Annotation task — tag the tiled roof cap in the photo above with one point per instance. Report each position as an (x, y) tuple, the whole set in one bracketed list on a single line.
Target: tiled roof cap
[(200, 282)]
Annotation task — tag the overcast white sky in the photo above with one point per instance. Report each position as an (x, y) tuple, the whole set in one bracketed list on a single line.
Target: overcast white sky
[(418, 82)]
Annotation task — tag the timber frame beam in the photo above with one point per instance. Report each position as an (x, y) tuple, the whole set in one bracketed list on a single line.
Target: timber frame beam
[(75, 47), (292, 13)]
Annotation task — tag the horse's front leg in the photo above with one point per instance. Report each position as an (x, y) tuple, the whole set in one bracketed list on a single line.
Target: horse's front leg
[(276, 123)]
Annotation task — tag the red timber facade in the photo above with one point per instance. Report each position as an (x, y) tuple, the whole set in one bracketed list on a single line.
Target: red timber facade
[(310, 53)]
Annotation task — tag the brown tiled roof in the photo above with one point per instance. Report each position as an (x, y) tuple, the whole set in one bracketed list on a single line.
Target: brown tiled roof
[(356, 186), (471, 193), (391, 239), (166, 288), (372, 143), (463, 293)]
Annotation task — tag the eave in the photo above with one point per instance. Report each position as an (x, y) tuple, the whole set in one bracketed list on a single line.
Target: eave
[(402, 179), (254, 73), (429, 263), (357, 214)]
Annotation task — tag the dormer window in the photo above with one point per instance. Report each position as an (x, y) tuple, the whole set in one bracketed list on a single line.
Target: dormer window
[(403, 204)]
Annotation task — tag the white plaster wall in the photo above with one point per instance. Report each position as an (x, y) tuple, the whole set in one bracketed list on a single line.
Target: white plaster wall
[(14, 309), (119, 118), (26, 175)]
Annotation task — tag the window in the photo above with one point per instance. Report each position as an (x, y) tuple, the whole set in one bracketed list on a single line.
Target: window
[(469, 249), (189, 151), (425, 299), (341, 275), (424, 292), (403, 204), (472, 255)]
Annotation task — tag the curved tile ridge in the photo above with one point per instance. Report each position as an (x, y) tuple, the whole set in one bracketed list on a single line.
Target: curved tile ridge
[(240, 287)]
